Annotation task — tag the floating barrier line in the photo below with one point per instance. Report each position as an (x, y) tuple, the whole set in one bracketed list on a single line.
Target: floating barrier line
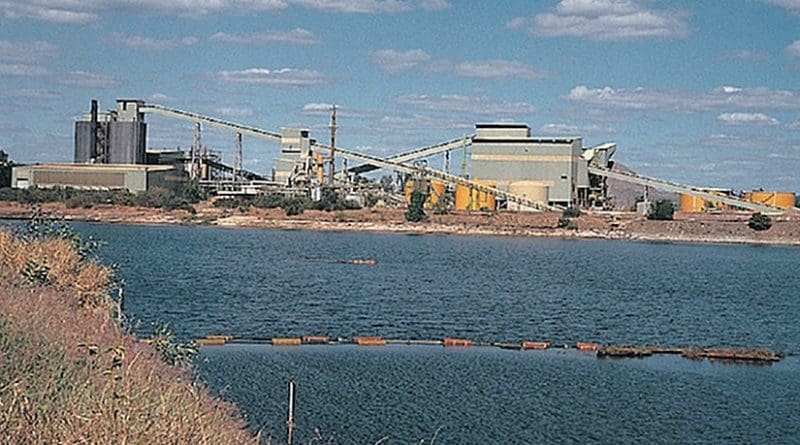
[(752, 355)]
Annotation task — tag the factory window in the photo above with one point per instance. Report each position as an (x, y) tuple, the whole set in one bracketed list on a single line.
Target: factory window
[(564, 177)]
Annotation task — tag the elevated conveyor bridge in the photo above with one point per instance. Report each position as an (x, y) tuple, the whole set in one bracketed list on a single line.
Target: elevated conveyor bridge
[(390, 164), (672, 187)]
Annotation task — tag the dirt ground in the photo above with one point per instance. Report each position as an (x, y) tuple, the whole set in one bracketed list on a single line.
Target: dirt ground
[(693, 228)]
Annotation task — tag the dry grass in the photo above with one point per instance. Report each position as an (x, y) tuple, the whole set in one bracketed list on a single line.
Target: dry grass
[(68, 374)]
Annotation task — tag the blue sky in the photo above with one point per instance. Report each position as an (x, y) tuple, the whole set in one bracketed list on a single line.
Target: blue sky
[(700, 92)]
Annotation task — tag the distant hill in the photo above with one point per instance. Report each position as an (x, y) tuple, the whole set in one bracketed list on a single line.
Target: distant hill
[(625, 194)]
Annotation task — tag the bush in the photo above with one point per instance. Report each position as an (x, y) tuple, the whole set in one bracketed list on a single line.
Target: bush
[(272, 201), (663, 210), (228, 203), (759, 222), (415, 211), (571, 212), (294, 205)]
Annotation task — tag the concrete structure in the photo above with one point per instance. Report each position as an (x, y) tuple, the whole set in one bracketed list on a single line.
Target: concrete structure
[(504, 153), (113, 137), (134, 178), (292, 166)]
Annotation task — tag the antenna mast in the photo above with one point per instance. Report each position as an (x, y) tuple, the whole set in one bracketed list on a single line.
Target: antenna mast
[(332, 167)]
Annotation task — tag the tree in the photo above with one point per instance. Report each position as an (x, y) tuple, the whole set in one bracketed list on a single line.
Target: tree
[(759, 222), (415, 211), (663, 210)]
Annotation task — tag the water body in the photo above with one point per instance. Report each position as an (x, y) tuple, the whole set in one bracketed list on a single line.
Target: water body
[(260, 283)]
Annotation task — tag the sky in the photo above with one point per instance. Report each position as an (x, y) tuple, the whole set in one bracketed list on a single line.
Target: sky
[(702, 92)]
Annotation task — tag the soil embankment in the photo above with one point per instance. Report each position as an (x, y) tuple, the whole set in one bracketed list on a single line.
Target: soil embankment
[(688, 228)]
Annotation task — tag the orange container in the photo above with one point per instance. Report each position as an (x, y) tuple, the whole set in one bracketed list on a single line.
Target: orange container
[(288, 341), (456, 342), (587, 346), (210, 342), (316, 340), (369, 341), (535, 345), (219, 337)]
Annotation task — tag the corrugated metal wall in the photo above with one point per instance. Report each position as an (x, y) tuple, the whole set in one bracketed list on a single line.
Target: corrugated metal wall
[(83, 142), (79, 178), (127, 142)]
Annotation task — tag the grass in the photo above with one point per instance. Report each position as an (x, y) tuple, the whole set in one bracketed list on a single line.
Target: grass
[(70, 374)]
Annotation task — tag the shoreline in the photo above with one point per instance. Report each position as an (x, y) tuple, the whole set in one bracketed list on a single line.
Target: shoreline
[(685, 229)]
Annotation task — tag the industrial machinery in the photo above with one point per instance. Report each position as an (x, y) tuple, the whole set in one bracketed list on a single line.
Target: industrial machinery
[(510, 168)]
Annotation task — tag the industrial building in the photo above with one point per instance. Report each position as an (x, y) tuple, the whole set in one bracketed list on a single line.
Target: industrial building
[(510, 169), (504, 154), (113, 137), (134, 178)]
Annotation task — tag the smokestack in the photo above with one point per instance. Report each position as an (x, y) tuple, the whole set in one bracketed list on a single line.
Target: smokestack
[(93, 133)]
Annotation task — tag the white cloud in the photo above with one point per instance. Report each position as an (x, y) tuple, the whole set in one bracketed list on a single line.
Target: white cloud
[(605, 20), (161, 97), (151, 44), (792, 6), (357, 6), (18, 69), (497, 69), (393, 61), (52, 11), (793, 50), (746, 54), (324, 109), (297, 36), (466, 104), (88, 80), (86, 11), (794, 126), (434, 5), (747, 119), (235, 111), (31, 94), (280, 77), (575, 130), (686, 101), (26, 51), (408, 122)]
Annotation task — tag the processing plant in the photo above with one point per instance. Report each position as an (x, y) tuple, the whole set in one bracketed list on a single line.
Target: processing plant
[(509, 168)]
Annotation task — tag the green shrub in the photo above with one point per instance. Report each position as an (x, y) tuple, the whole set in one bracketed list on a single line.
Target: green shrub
[(271, 201), (228, 203), (663, 210), (294, 206), (415, 212), (759, 222), (571, 212)]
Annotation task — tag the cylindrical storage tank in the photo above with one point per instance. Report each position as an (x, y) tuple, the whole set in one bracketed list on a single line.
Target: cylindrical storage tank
[(468, 198), (783, 200), (436, 194), (530, 190), (692, 204)]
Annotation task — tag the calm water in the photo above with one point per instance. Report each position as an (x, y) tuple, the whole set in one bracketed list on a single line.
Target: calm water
[(258, 283)]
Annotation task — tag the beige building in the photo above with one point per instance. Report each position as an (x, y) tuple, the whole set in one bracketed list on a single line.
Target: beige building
[(134, 178)]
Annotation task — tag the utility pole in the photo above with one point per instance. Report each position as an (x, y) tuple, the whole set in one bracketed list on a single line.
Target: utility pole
[(332, 167), (194, 170), (290, 424), (237, 157)]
